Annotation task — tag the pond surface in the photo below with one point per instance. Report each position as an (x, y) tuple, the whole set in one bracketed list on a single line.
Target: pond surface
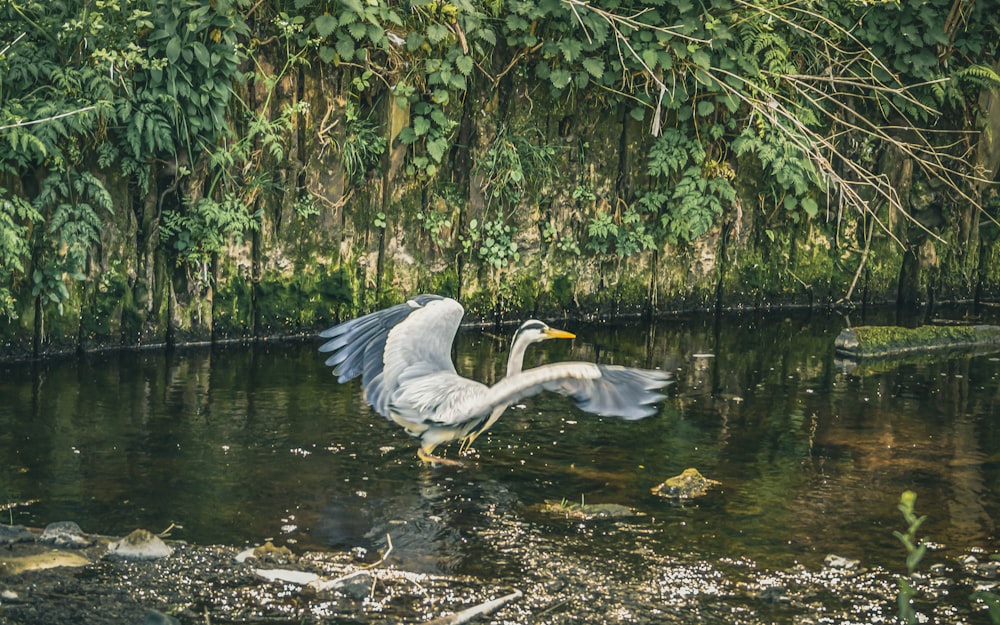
[(238, 444)]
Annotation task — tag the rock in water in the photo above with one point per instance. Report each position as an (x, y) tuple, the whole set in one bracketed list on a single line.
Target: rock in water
[(893, 341), (155, 617), (10, 534), (15, 565), (690, 483), (65, 534), (139, 545), (840, 562)]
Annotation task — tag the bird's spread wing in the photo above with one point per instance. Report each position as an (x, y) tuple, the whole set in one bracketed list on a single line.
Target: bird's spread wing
[(605, 390), (389, 346)]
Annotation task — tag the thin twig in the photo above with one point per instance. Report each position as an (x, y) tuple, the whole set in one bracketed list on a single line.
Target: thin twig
[(12, 43), (48, 119), (388, 540), (479, 610)]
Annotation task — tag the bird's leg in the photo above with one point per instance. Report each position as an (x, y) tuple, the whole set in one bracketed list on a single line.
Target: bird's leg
[(466, 444), (428, 457)]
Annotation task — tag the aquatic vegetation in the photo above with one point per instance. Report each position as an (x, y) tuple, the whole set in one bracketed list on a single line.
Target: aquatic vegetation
[(915, 550)]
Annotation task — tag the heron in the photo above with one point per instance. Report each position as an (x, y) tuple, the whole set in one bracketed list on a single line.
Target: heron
[(403, 355)]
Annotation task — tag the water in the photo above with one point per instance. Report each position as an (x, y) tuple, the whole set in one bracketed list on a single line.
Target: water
[(242, 443)]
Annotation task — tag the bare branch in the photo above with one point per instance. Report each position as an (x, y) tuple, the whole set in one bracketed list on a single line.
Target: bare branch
[(32, 122)]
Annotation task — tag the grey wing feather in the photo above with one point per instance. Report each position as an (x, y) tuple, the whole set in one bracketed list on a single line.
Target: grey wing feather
[(369, 345), (352, 340), (623, 392), (605, 390)]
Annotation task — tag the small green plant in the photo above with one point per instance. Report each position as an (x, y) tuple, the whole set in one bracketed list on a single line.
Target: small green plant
[(584, 192), (305, 206), (915, 550), (511, 163), (562, 243), (565, 504), (436, 224), (492, 240), (992, 602), (363, 145), (497, 247)]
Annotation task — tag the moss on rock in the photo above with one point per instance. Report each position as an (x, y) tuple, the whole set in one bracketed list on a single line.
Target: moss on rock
[(883, 341)]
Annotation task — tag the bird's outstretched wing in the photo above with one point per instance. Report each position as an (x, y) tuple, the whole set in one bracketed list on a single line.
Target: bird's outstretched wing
[(605, 390), (392, 345)]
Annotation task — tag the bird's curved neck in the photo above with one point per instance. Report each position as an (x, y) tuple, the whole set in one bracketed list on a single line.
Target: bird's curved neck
[(515, 360)]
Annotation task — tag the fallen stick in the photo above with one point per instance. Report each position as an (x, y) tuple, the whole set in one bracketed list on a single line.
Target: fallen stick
[(475, 611)]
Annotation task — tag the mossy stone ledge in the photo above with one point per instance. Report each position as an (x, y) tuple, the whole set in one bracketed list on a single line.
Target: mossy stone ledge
[(888, 341)]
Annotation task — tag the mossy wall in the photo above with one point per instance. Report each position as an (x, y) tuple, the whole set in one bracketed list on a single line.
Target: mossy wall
[(372, 243)]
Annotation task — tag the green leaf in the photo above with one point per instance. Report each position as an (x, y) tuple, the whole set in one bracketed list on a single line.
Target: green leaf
[(407, 136), (436, 33), (464, 64), (701, 59), (594, 66), (173, 50), (345, 48), (809, 206), (705, 108), (704, 77), (354, 5), (325, 24), (487, 35), (436, 148), (357, 30), (560, 78), (571, 49), (731, 102), (650, 56), (421, 126), (326, 54), (414, 40), (201, 53)]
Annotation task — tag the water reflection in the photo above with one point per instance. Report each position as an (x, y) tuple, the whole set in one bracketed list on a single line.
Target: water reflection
[(242, 443)]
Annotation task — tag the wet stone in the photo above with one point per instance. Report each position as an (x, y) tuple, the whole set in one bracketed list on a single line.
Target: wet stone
[(774, 594), (155, 617), (588, 511), (834, 561), (15, 565), (65, 534), (10, 534), (139, 545), (269, 554), (358, 587), (689, 484)]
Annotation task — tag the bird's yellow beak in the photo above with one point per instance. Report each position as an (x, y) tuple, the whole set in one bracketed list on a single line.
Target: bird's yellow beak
[(558, 334)]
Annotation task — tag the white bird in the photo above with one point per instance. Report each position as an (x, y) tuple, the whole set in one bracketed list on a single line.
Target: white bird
[(403, 355)]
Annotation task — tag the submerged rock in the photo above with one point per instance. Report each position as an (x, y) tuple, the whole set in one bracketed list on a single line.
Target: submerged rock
[(834, 561), (15, 565), (139, 545), (10, 534), (690, 483), (588, 511), (65, 534), (155, 617)]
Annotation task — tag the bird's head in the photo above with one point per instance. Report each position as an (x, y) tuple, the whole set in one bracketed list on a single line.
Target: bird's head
[(535, 331)]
